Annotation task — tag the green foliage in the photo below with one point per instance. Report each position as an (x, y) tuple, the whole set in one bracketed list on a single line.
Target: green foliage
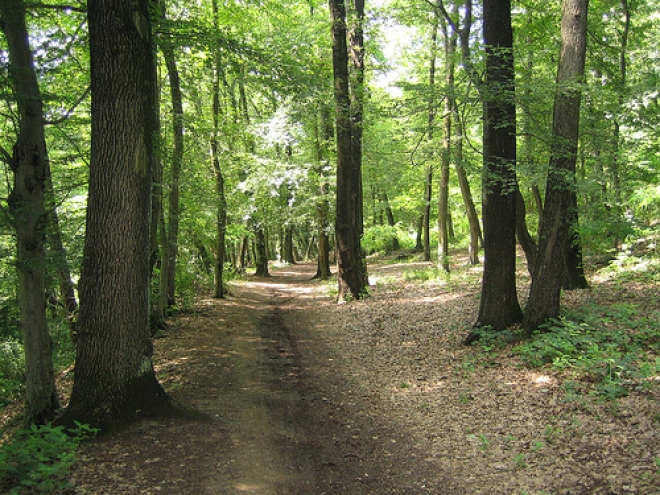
[(12, 366), (38, 459), (380, 239), (613, 347)]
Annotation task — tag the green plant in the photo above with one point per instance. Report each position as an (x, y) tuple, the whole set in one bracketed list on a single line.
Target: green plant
[(12, 366), (609, 346), (520, 460), (38, 459)]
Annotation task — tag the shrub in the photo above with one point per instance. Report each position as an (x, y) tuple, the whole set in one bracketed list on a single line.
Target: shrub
[(38, 459)]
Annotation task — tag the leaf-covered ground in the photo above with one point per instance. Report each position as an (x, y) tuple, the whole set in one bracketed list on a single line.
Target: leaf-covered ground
[(304, 396)]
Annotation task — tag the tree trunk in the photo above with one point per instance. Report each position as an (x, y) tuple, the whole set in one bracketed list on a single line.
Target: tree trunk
[(499, 306), (473, 220), (29, 164), (390, 219), (62, 268), (261, 253), (288, 245), (172, 246), (555, 230), (443, 192), (428, 186), (115, 382), (356, 92), (221, 213), (350, 273)]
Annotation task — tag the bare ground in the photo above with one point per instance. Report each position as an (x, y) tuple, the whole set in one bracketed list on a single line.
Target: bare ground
[(304, 396)]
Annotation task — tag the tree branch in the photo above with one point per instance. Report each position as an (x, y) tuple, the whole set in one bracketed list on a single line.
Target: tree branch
[(70, 110), (48, 6)]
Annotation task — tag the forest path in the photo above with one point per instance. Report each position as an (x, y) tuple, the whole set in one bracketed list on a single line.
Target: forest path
[(267, 430), (302, 396)]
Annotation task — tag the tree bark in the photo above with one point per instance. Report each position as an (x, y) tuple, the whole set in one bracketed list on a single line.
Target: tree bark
[(115, 382), (499, 306), (556, 223), (29, 164), (350, 269)]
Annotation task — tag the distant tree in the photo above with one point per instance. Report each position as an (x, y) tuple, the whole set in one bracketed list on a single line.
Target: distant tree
[(29, 163), (557, 223), (115, 381)]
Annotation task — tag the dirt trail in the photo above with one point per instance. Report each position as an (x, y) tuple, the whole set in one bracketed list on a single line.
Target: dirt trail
[(301, 396), (237, 362)]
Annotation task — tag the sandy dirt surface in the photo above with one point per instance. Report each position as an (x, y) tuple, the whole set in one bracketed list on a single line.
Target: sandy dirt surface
[(300, 395)]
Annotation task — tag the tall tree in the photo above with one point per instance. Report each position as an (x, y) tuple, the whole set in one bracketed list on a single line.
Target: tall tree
[(351, 268), (171, 237), (221, 212), (115, 381), (29, 163), (499, 307), (556, 223)]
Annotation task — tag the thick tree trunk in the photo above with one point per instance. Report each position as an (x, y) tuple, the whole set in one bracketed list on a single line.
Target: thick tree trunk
[(351, 270), (499, 306), (555, 230), (115, 381), (288, 246), (29, 164)]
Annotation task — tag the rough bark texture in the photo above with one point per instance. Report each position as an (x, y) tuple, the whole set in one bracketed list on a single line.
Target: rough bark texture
[(115, 381), (29, 164), (350, 269), (555, 230), (499, 307)]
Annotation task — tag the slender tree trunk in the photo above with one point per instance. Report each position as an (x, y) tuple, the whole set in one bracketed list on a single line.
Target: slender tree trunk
[(221, 214), (62, 268), (473, 219), (261, 253), (172, 246), (544, 297), (115, 382), (443, 193), (616, 138), (29, 164), (390, 219), (428, 186), (499, 306), (157, 228)]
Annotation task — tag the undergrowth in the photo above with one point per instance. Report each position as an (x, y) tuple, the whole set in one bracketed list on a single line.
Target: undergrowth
[(38, 459), (616, 348)]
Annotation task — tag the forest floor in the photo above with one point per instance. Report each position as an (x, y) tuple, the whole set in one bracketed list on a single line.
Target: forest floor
[(305, 396)]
